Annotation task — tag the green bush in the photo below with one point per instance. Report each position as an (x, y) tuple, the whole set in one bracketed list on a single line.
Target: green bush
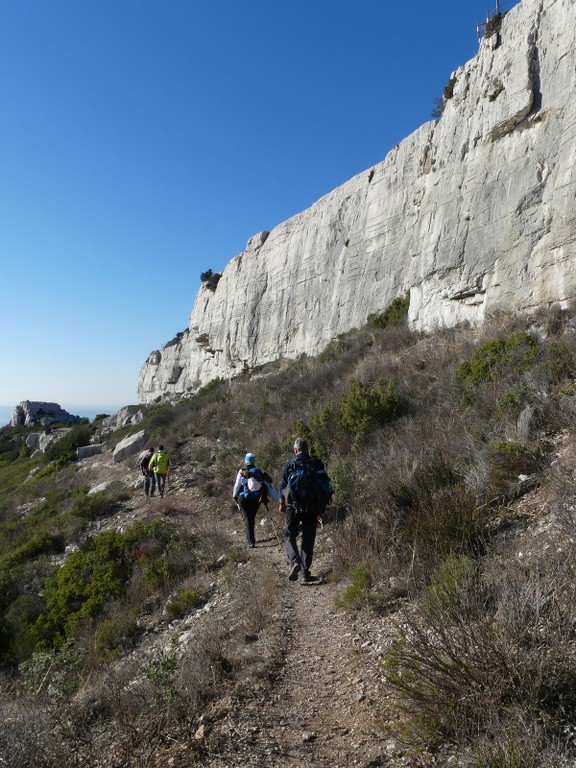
[(110, 633), (450, 586), (228, 462), (95, 574), (40, 542), (495, 359), (210, 278), (64, 449), (395, 313), (365, 406), (356, 594), (343, 479), (360, 409), (172, 563), (560, 362), (161, 670), (94, 505), (448, 91), (22, 635), (90, 576), (55, 672), (182, 603)]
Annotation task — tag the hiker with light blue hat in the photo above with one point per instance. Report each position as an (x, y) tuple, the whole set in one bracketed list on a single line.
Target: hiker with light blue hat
[(251, 489)]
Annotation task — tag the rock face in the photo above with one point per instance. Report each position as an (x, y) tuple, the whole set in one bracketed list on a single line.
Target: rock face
[(129, 446), (29, 414), (130, 414), (472, 212)]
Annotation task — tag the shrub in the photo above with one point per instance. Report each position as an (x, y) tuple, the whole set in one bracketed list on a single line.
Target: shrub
[(448, 91), (110, 633), (493, 360), (228, 461), (182, 603), (169, 563), (176, 340), (357, 411), (64, 449), (56, 672), (560, 362), (343, 478), (210, 278), (395, 313), (161, 670), (493, 25), (357, 593), (365, 406), (95, 574), (484, 653), (93, 505), (90, 576), (21, 634), (508, 460)]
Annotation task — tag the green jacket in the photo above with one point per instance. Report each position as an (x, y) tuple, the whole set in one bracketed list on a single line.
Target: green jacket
[(159, 463)]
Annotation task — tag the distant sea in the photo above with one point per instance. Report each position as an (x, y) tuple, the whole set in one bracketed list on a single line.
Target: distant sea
[(88, 411)]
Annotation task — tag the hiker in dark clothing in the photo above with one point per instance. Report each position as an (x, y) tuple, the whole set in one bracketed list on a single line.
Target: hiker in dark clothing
[(149, 476), (250, 490), (301, 512)]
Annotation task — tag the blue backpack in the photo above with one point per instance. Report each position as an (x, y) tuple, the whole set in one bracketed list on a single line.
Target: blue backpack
[(261, 493), (309, 484)]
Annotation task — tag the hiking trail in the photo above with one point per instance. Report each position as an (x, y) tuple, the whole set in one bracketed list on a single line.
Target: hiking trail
[(318, 706)]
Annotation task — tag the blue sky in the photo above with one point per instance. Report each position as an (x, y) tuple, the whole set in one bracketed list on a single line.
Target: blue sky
[(143, 142)]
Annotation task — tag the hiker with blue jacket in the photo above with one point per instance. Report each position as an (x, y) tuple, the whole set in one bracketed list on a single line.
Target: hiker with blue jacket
[(250, 490), (305, 491)]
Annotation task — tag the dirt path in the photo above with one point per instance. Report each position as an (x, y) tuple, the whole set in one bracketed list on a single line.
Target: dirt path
[(317, 707), (315, 699)]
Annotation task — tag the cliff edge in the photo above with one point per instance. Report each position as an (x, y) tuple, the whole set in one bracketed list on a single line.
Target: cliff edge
[(472, 212)]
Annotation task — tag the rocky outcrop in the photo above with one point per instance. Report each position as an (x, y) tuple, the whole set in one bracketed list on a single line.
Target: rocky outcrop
[(30, 413), (87, 451), (41, 440), (128, 415), (129, 446), (472, 212)]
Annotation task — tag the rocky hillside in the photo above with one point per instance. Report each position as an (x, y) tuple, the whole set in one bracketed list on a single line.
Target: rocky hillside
[(471, 212), (142, 631)]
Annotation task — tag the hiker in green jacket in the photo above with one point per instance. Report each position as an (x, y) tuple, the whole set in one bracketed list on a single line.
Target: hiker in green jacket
[(160, 465)]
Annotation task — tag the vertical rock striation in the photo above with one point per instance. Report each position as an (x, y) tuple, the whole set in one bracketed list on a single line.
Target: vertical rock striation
[(470, 213)]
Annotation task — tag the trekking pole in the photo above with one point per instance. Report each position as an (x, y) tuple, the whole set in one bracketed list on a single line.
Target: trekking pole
[(273, 526)]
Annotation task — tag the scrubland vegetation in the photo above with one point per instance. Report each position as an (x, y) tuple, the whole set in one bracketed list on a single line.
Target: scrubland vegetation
[(433, 442)]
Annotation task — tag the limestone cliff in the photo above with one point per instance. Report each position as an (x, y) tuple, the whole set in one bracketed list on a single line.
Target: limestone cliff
[(472, 212)]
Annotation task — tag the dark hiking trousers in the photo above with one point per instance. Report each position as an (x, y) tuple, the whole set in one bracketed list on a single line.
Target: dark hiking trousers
[(303, 556), (149, 482), (249, 507)]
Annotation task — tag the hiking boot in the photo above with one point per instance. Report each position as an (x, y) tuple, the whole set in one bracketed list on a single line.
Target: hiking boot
[(294, 571), (307, 578)]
